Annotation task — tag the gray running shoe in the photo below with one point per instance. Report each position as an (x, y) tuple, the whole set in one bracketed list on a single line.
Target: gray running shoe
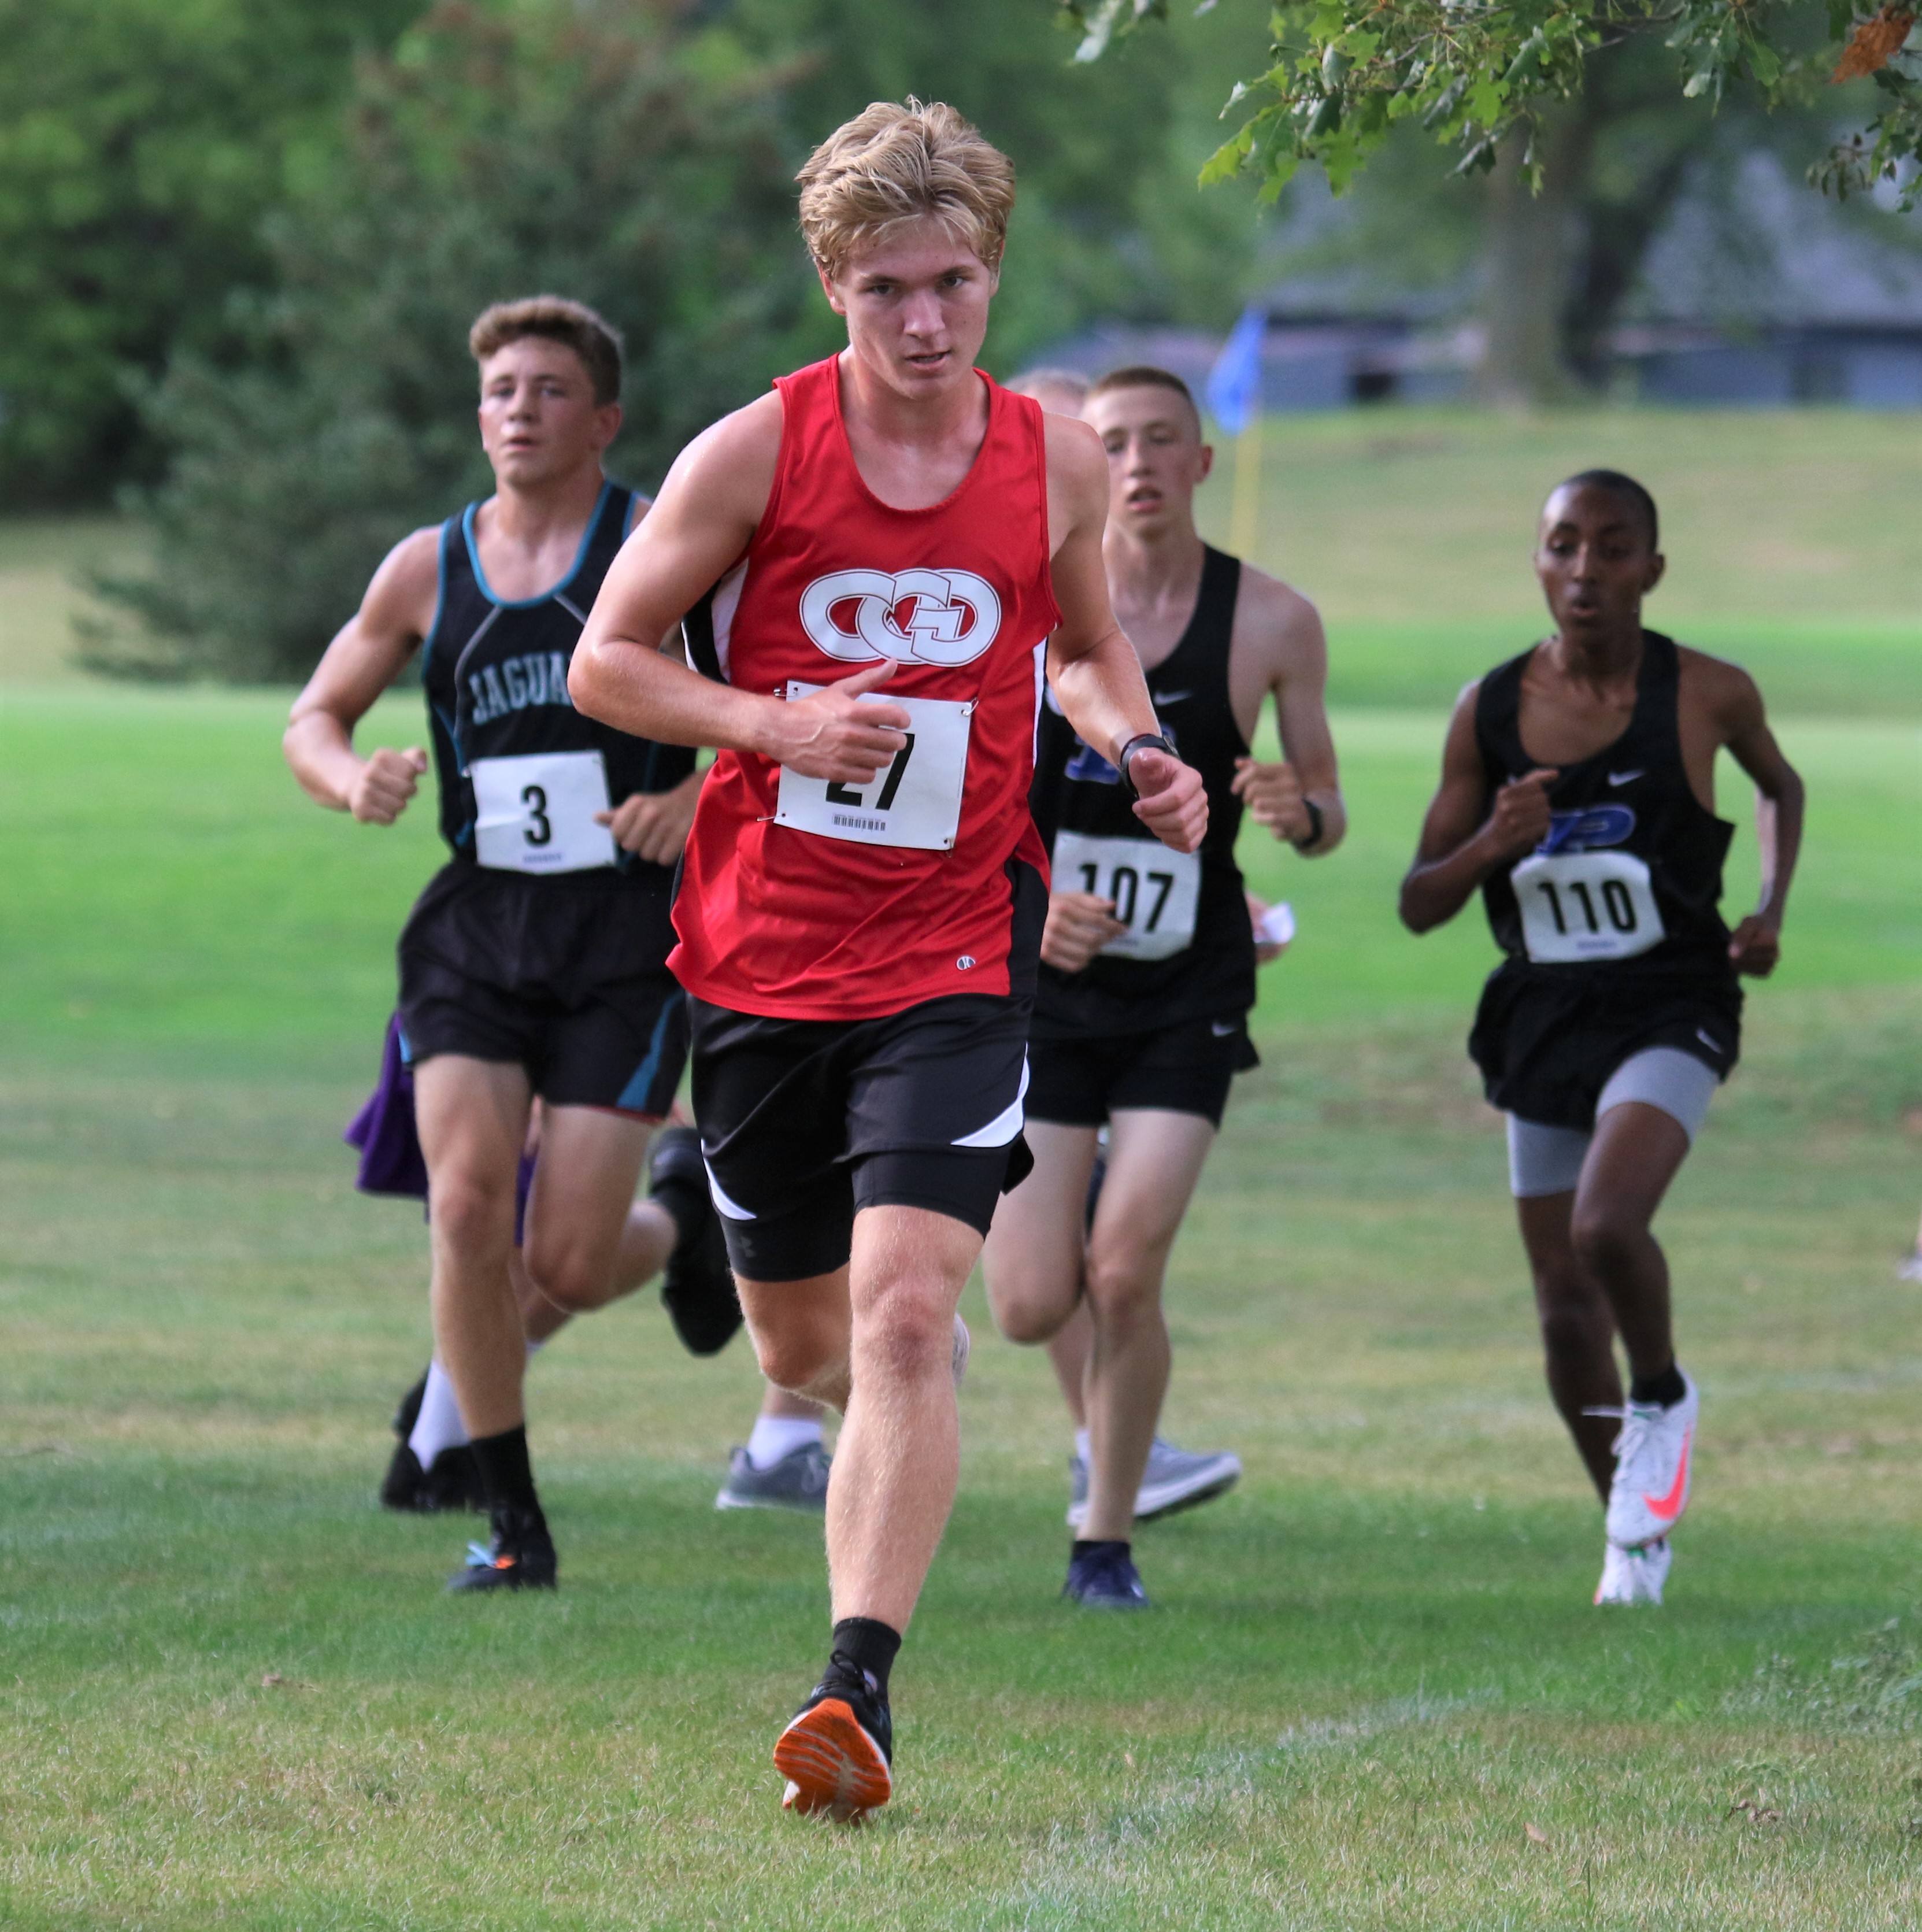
[(1175, 1479), (798, 1481)]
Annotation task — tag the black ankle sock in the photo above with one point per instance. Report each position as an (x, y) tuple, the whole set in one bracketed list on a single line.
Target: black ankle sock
[(506, 1476), (1667, 1388), (869, 1646), (1081, 1549)]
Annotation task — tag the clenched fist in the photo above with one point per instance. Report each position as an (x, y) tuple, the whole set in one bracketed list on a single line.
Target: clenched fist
[(380, 792)]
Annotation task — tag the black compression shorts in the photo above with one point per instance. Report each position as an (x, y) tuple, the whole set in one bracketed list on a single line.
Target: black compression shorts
[(1183, 1069), (567, 980), (805, 1122)]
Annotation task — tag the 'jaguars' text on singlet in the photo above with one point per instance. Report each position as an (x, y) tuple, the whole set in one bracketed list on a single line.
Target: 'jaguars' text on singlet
[(1629, 879), (1189, 950), (801, 899), (496, 677)]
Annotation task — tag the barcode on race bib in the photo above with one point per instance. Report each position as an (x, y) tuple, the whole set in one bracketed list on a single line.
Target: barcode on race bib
[(1155, 892), (1586, 905), (536, 813), (914, 800)]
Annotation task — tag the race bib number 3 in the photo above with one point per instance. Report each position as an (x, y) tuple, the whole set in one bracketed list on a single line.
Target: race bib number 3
[(1586, 905), (1155, 891), (915, 800), (536, 813)]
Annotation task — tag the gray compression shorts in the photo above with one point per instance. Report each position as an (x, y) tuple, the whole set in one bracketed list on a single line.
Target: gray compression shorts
[(1548, 1160)]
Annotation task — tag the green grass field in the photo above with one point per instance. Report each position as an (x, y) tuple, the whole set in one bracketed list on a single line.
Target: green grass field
[(1374, 1694)]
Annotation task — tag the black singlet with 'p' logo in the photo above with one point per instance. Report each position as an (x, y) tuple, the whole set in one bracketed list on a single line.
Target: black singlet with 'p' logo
[(496, 677), (1076, 790), (1631, 797), (1631, 853)]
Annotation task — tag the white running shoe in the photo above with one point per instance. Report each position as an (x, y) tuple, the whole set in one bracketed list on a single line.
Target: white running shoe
[(1634, 1576), (962, 1344), (1175, 1479), (1909, 1268), (1652, 1455)]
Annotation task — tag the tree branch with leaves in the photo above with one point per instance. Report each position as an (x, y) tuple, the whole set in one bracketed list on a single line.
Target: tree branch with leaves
[(1479, 73)]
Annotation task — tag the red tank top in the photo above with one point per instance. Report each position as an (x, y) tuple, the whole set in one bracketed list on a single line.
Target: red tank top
[(802, 900)]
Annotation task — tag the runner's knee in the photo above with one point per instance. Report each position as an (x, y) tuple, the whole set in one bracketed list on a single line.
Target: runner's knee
[(1124, 1284), (907, 1330), (469, 1212), (570, 1277), (1605, 1240)]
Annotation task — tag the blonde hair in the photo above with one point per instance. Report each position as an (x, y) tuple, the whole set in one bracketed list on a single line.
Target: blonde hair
[(591, 336), (894, 163)]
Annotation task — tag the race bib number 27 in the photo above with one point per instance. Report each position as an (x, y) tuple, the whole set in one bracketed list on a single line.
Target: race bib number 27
[(914, 800)]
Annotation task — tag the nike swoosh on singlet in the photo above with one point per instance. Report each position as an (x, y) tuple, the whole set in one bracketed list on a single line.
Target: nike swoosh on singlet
[(1168, 697), (1667, 1508), (1222, 1028), (1624, 778)]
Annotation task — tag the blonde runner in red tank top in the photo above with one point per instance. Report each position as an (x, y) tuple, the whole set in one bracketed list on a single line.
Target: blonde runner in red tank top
[(801, 899)]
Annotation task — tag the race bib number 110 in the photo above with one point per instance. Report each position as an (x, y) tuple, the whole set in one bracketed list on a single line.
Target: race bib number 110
[(1586, 905), (914, 800)]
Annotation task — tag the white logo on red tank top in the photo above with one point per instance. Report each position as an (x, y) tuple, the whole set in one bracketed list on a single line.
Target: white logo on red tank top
[(946, 617)]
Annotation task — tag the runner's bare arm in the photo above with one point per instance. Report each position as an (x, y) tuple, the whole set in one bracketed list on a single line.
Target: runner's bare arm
[(368, 653), (1279, 646), (1463, 840), (700, 524), (1755, 944), (1095, 674)]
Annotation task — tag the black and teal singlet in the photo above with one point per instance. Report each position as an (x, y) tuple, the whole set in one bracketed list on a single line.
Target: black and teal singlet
[(1189, 950), (1612, 926), (496, 677)]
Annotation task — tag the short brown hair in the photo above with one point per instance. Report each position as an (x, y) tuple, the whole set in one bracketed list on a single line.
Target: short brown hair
[(893, 164), (1145, 375), (591, 337)]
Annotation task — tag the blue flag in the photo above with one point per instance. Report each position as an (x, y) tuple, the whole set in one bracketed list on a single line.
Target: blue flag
[(1234, 383)]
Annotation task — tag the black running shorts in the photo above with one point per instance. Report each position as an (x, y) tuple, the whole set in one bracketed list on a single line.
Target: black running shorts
[(1183, 1069), (805, 1122), (568, 980), (1548, 1039)]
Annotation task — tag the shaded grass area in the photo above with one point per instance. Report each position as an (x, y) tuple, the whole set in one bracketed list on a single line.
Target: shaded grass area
[(1373, 1694)]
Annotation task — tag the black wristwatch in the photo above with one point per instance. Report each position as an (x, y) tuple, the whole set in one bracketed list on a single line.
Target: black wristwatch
[(1143, 741), (1314, 838)]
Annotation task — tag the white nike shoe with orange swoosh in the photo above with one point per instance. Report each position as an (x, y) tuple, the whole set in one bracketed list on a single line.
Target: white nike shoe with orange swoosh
[(1653, 1455)]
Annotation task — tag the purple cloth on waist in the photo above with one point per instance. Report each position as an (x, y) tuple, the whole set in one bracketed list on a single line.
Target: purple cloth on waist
[(385, 1131)]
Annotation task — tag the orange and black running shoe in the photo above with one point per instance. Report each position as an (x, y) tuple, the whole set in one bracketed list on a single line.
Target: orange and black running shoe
[(837, 1754), (519, 1555)]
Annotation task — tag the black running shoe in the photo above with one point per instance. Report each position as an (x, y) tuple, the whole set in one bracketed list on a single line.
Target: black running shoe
[(838, 1754), (1104, 1578), (696, 1285), (454, 1483), (519, 1555)]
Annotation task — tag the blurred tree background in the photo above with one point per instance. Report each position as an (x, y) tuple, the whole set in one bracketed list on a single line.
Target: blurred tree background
[(243, 239)]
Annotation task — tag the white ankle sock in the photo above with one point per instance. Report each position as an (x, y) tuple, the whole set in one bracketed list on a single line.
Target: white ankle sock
[(1084, 1444), (776, 1436), (439, 1425)]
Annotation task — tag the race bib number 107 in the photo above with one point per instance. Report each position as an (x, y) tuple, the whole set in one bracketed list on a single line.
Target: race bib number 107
[(1155, 893), (1585, 905), (914, 800)]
